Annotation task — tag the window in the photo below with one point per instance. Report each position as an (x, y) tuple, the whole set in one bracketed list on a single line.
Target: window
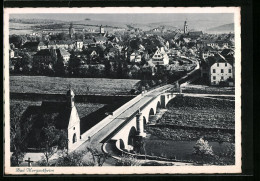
[(218, 64), (222, 78), (214, 82), (214, 70), (222, 71), (74, 140), (225, 64), (214, 77), (229, 70)]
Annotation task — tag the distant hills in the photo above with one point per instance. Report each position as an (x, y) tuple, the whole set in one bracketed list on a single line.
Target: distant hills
[(224, 28), (211, 26)]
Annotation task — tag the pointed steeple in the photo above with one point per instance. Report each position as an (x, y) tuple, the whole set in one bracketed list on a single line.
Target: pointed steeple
[(70, 98)]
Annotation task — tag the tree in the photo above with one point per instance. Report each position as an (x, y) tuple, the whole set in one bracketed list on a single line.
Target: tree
[(16, 138), (108, 68), (72, 159), (52, 139), (202, 148), (99, 158)]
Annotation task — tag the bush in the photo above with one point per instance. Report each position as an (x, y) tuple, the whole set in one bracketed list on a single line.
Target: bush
[(202, 148)]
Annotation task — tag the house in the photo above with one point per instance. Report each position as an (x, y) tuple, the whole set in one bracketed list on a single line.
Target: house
[(149, 67), (135, 57), (207, 52), (100, 40), (31, 45), (160, 57), (41, 46), (43, 56), (88, 42), (62, 115), (216, 69), (79, 44), (64, 55), (11, 54)]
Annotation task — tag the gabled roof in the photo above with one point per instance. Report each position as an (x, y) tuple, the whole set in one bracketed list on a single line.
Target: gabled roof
[(217, 58)]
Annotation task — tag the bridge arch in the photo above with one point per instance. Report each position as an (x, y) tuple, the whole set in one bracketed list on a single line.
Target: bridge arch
[(158, 106), (121, 144), (131, 136)]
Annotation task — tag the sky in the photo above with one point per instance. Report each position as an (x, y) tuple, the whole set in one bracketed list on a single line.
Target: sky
[(133, 18)]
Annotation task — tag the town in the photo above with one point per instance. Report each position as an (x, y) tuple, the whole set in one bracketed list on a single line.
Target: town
[(155, 54), (178, 86)]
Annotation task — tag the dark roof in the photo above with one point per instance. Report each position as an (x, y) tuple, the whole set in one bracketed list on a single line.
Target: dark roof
[(217, 58), (227, 52), (31, 45), (44, 52), (195, 33)]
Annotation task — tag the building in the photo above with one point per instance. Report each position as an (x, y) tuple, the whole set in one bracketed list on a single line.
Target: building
[(11, 54), (195, 34), (216, 69), (71, 31), (43, 56), (41, 46), (64, 55), (63, 115), (100, 40), (185, 30), (101, 30), (135, 57), (79, 44), (160, 57), (207, 52), (31, 46)]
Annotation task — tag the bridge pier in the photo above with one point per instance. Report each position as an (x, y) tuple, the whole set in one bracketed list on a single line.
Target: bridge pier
[(163, 101), (140, 125)]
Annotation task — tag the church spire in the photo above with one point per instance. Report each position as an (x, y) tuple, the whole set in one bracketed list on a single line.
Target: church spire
[(70, 98)]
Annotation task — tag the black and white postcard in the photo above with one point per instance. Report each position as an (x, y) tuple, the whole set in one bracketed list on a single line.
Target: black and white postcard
[(122, 90)]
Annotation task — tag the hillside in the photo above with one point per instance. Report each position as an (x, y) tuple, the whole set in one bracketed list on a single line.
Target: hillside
[(224, 28)]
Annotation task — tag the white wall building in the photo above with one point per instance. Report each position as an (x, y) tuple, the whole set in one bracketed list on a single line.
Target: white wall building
[(160, 57)]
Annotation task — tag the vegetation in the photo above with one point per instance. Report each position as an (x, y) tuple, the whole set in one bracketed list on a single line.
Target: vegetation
[(189, 118), (127, 160), (81, 86)]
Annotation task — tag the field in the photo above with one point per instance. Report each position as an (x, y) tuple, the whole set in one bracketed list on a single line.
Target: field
[(203, 89), (197, 117), (80, 86), (84, 109)]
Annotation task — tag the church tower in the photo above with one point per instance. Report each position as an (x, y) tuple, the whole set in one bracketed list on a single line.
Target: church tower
[(185, 27), (71, 30), (101, 30), (70, 98)]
